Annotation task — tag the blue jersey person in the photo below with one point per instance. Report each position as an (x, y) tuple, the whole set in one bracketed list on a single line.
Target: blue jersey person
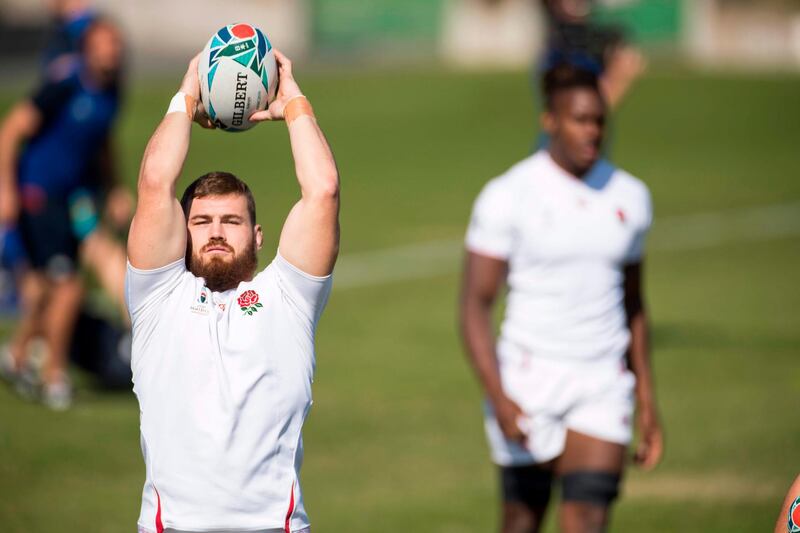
[(54, 147)]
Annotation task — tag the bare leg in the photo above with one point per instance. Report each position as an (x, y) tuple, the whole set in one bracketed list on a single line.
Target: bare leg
[(106, 258), (526, 493), (59, 321), (33, 293), (521, 518), (583, 453)]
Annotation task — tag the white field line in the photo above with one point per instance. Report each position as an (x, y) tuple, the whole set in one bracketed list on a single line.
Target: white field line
[(721, 487), (675, 233)]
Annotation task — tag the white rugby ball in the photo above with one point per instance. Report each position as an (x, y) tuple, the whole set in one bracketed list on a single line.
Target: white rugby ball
[(238, 76)]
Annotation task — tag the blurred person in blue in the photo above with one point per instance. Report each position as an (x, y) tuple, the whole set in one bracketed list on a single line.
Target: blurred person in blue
[(571, 365), (62, 54), (574, 39), (56, 162), (70, 20)]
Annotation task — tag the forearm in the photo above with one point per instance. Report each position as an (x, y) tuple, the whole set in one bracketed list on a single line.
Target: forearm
[(315, 166), (639, 358), (9, 146), (625, 65), (479, 340), (165, 153), (21, 123)]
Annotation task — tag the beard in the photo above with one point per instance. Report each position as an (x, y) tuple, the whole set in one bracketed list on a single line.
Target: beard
[(223, 275)]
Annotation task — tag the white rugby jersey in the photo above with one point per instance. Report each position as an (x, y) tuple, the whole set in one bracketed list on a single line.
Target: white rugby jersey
[(566, 241), (224, 385)]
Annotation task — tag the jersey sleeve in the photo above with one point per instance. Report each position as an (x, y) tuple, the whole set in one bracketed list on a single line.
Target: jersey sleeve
[(491, 230), (636, 249), (143, 288), (309, 293)]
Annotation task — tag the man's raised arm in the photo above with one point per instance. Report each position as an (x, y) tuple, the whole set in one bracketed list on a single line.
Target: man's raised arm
[(158, 230), (310, 236)]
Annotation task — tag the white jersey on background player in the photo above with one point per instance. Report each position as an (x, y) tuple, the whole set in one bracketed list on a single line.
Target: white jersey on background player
[(223, 355), (565, 241), (564, 231)]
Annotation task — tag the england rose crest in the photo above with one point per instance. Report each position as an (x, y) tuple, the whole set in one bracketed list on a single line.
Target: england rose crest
[(248, 302)]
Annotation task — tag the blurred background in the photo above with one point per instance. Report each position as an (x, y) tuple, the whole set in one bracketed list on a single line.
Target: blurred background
[(423, 102)]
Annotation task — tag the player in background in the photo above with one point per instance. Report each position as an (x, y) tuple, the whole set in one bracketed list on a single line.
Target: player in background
[(789, 517), (574, 39), (71, 19), (50, 147), (572, 357), (100, 251), (223, 355)]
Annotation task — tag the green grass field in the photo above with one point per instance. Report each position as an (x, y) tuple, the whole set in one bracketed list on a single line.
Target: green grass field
[(395, 439)]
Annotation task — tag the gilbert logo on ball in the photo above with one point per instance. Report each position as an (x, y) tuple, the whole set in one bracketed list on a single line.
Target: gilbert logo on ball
[(794, 516), (238, 76)]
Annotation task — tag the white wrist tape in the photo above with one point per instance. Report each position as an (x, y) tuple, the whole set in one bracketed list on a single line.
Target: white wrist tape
[(182, 103)]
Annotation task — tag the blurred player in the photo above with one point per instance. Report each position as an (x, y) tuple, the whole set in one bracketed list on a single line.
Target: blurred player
[(223, 355), (50, 146), (573, 353), (573, 39), (71, 20), (103, 254)]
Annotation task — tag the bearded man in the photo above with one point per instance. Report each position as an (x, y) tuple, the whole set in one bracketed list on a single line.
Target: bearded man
[(223, 356)]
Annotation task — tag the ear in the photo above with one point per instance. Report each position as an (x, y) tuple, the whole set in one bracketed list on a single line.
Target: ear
[(259, 236), (548, 121)]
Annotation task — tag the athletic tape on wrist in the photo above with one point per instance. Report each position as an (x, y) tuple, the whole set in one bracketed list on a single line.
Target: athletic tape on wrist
[(297, 107), (182, 103)]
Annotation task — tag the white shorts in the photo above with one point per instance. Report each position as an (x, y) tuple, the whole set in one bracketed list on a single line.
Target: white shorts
[(592, 397)]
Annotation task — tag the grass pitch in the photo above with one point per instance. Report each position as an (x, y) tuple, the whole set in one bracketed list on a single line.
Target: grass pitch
[(394, 441)]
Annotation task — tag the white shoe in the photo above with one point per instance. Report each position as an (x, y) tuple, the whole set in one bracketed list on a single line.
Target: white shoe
[(57, 396), (25, 380)]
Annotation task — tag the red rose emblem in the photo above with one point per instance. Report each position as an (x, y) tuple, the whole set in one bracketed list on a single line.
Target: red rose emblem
[(248, 298), (248, 302)]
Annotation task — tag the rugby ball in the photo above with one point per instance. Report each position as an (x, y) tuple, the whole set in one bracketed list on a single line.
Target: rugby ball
[(238, 76)]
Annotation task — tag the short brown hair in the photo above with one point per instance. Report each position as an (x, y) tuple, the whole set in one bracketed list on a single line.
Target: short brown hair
[(218, 184)]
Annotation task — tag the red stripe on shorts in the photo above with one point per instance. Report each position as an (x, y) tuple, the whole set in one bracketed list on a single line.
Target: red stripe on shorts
[(159, 525), (290, 511)]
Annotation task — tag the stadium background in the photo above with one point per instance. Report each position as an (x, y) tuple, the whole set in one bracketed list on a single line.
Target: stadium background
[(423, 102)]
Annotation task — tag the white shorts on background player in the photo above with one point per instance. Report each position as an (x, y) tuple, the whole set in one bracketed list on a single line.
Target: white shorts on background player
[(224, 385), (566, 241)]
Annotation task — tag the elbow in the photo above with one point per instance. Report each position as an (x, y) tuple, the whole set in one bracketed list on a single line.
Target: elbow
[(147, 181), (327, 189), (151, 176), (634, 309), (150, 181), (473, 308)]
